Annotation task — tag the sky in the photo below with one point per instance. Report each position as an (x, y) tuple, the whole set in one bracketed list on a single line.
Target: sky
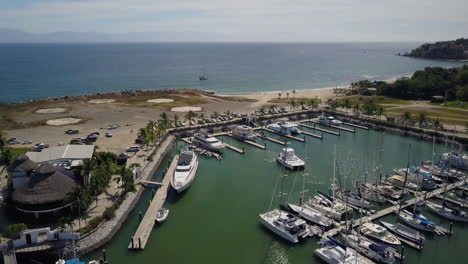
[(246, 20)]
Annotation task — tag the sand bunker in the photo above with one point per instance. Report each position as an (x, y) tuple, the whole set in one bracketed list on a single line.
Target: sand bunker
[(101, 101), (186, 109), (160, 100), (50, 110), (63, 121)]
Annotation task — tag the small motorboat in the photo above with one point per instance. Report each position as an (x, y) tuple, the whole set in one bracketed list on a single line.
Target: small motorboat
[(162, 215)]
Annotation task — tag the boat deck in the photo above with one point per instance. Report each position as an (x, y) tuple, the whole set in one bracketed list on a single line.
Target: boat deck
[(142, 234)]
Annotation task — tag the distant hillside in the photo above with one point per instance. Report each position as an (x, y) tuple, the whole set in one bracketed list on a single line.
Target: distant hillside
[(444, 50)]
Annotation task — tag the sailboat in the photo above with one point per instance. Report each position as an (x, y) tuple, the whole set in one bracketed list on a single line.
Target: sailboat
[(203, 76), (452, 214), (378, 252)]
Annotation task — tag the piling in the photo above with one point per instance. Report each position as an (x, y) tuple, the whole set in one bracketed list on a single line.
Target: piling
[(131, 241), (450, 230), (402, 251), (152, 193), (140, 216), (139, 242), (104, 255)]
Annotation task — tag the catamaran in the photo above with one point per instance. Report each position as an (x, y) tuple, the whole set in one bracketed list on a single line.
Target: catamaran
[(285, 128), (187, 165), (285, 225), (208, 142), (288, 159)]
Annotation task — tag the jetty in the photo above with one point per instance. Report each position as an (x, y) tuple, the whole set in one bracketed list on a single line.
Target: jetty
[(314, 127), (332, 126), (142, 234), (235, 149), (357, 126), (312, 134), (252, 143), (271, 139), (286, 136)]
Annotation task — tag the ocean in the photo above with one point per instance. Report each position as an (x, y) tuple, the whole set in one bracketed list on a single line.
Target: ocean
[(30, 71)]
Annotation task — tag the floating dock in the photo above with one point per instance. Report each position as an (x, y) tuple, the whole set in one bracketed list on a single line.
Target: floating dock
[(312, 134), (231, 147), (354, 125), (286, 136), (320, 129), (337, 127), (255, 144), (272, 139), (142, 234)]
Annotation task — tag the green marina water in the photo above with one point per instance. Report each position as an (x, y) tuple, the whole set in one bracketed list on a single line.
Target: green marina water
[(216, 219)]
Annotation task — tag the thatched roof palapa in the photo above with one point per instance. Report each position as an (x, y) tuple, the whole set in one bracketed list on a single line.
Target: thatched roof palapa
[(46, 185), (22, 163)]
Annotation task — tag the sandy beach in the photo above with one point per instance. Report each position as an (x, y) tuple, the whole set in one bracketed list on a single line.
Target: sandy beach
[(129, 113)]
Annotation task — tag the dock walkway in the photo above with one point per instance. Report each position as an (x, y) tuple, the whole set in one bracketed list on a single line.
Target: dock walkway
[(142, 234), (255, 144), (320, 129), (337, 127), (286, 136), (391, 209), (272, 139), (354, 125)]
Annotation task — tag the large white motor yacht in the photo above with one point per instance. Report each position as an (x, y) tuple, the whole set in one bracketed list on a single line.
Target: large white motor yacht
[(208, 142), (285, 225), (288, 159), (243, 132), (329, 120), (185, 171), (285, 128)]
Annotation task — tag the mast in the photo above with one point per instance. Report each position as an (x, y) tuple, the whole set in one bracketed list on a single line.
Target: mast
[(433, 151)]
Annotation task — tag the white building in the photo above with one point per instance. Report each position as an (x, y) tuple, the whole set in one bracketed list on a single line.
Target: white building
[(40, 235), (63, 156)]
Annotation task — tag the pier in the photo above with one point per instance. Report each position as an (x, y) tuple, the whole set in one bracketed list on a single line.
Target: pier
[(286, 136), (142, 234), (312, 134), (272, 139), (255, 144), (354, 125), (337, 127), (391, 209), (235, 149), (320, 129)]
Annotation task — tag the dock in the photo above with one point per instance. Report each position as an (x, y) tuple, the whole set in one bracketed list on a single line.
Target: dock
[(272, 139), (320, 129), (312, 134), (142, 234), (357, 126), (337, 127), (286, 136), (151, 183), (235, 149), (391, 209), (252, 143)]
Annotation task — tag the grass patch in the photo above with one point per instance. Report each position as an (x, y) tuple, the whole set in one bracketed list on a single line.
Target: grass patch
[(453, 104), (20, 150), (448, 116), (376, 99)]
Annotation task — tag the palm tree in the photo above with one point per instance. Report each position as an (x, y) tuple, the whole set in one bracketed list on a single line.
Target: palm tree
[(380, 112), (282, 109), (293, 104), (202, 116), (190, 115), (279, 95), (347, 104), (356, 108), (262, 109), (272, 107), (312, 103), (302, 103), (438, 125), (87, 167), (176, 119), (406, 116), (294, 93), (150, 130), (227, 112), (287, 95), (165, 120), (422, 118)]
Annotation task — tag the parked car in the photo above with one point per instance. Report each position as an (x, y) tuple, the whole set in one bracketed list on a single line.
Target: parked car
[(27, 142), (108, 134), (72, 131), (76, 141), (112, 127), (14, 142), (133, 149)]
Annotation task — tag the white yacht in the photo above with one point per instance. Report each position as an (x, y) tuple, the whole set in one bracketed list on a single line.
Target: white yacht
[(329, 120), (379, 233), (285, 128), (375, 251), (285, 225), (456, 160), (187, 165), (336, 253), (417, 221), (244, 133), (208, 142), (288, 159), (312, 215), (448, 213)]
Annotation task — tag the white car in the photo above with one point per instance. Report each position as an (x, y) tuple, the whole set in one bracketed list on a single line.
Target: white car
[(133, 149), (109, 134), (26, 142), (112, 127)]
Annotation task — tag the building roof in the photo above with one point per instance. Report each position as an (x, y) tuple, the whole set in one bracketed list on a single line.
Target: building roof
[(22, 164), (62, 152), (46, 185)]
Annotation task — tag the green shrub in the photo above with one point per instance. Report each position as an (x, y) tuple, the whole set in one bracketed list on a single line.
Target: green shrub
[(14, 230)]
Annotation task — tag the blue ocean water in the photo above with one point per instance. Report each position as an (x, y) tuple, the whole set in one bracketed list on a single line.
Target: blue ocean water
[(29, 71)]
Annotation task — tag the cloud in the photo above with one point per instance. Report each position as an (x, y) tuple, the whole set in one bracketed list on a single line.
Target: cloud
[(305, 19)]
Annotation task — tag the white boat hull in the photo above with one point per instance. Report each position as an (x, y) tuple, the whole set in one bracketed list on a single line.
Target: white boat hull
[(291, 238), (184, 186)]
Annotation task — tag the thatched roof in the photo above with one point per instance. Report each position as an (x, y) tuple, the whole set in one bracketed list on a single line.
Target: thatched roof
[(46, 185), (22, 164)]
